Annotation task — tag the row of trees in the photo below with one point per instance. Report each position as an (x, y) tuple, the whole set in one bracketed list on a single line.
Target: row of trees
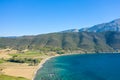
[(25, 60)]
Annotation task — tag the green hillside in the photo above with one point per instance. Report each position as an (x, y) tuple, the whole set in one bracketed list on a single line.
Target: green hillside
[(85, 41)]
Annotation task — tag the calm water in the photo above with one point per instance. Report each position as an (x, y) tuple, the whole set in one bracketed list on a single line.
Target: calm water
[(81, 67)]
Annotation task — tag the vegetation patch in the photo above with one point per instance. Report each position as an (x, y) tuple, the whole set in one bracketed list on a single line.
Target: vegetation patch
[(5, 77), (1, 61), (30, 61)]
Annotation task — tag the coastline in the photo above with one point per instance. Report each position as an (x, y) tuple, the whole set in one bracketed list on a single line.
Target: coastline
[(17, 69), (41, 64), (45, 59), (99, 59)]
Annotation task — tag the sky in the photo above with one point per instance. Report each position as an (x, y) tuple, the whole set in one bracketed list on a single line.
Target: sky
[(33, 17)]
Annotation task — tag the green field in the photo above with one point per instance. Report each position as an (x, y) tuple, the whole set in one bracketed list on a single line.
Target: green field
[(5, 77), (1, 61)]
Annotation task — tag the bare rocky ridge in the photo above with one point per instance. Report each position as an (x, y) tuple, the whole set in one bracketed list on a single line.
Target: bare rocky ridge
[(110, 26)]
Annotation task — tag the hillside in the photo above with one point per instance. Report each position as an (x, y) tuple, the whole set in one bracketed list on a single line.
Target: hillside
[(82, 41)]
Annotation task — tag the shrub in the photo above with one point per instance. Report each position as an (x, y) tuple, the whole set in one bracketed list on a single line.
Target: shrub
[(25, 60)]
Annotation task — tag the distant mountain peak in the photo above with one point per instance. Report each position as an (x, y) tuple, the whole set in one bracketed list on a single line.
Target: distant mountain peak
[(116, 21), (110, 26)]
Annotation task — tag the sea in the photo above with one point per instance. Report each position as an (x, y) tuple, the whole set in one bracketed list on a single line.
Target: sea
[(81, 67)]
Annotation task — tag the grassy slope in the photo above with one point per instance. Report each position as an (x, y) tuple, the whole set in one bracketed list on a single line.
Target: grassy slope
[(1, 61), (5, 77)]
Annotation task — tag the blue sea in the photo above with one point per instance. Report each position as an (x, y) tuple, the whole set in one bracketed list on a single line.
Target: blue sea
[(81, 67)]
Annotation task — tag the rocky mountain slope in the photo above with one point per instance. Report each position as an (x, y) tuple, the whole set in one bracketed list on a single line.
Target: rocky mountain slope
[(110, 26)]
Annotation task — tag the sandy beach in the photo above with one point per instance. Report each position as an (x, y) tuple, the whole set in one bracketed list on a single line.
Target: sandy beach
[(18, 70), (23, 70)]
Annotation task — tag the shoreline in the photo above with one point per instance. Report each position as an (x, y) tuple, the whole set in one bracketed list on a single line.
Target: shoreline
[(46, 59), (41, 64)]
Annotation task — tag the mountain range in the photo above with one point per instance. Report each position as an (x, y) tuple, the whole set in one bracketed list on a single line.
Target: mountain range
[(99, 38), (110, 26)]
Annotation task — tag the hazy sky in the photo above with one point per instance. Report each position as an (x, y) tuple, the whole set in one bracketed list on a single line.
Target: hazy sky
[(31, 17)]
